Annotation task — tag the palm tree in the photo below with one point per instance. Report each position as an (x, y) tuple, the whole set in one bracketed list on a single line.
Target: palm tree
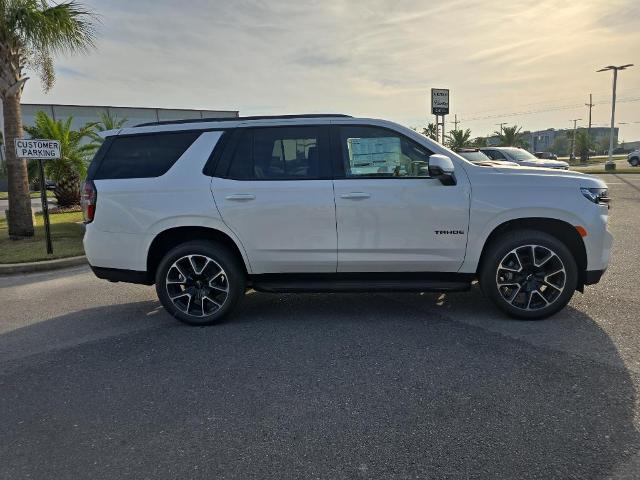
[(459, 139), (431, 131), (31, 33), (583, 145), (107, 122), (510, 137), (480, 142), (75, 153)]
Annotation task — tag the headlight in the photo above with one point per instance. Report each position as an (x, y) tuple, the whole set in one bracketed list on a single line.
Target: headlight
[(596, 195)]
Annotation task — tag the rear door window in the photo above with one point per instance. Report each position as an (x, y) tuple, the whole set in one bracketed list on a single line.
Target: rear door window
[(281, 153), (143, 156)]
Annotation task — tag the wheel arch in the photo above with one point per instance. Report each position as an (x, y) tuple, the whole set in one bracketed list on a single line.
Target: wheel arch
[(171, 237), (563, 231)]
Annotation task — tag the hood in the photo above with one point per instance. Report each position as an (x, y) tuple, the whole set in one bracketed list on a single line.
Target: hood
[(496, 163), (552, 176), (544, 163)]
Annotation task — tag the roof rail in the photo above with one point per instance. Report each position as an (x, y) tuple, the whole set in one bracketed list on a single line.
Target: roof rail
[(239, 119)]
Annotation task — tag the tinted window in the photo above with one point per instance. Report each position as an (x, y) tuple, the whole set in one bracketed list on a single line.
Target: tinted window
[(285, 153), (474, 156), (494, 154), (144, 156), (378, 152), (520, 155)]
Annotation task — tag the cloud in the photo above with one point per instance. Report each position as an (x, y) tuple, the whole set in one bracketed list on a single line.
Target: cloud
[(375, 58), (71, 72)]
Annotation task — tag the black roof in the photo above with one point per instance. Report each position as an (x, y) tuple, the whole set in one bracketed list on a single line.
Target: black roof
[(237, 119)]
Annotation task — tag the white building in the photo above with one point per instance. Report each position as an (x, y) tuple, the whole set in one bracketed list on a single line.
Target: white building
[(83, 114)]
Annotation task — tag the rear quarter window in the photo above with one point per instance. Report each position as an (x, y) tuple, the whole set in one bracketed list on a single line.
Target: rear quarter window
[(143, 156)]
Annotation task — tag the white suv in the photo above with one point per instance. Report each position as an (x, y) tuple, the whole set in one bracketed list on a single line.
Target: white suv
[(522, 157), (324, 203)]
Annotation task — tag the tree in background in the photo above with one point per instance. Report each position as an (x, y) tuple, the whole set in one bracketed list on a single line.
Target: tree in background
[(560, 145), (31, 33), (603, 144), (430, 131), (480, 142), (459, 139), (75, 153), (108, 122), (583, 145), (511, 137)]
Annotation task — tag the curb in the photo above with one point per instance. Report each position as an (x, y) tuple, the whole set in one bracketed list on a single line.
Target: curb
[(42, 266)]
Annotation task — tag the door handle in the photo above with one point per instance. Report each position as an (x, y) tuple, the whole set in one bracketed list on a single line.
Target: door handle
[(355, 195), (239, 197)]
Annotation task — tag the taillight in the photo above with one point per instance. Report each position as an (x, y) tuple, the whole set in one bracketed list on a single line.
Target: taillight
[(88, 197)]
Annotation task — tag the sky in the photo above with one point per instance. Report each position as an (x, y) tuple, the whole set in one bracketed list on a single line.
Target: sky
[(527, 63)]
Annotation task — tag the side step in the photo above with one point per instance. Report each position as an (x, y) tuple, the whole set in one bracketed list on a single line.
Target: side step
[(408, 282)]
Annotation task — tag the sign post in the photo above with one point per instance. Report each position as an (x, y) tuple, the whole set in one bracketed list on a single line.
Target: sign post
[(440, 106), (40, 150)]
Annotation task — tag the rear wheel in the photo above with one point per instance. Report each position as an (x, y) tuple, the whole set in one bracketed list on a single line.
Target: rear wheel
[(634, 161), (199, 282), (529, 274)]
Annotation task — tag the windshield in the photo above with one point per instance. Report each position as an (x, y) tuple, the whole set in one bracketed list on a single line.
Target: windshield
[(474, 156), (520, 155)]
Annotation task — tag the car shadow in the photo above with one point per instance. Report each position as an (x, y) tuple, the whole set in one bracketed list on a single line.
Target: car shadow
[(297, 386)]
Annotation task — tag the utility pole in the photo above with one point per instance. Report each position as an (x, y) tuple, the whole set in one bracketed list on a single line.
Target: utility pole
[(610, 165), (501, 124), (590, 105), (573, 138), (455, 122)]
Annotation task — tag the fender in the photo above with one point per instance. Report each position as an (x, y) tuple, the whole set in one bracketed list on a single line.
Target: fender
[(479, 232), (195, 221)]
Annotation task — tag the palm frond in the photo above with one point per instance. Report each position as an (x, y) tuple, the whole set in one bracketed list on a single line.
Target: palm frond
[(60, 28), (41, 30), (76, 146)]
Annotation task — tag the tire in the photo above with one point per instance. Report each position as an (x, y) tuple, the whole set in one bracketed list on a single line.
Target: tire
[(200, 282), (634, 161), (524, 289)]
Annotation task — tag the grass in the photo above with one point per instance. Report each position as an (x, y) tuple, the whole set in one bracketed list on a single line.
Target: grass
[(592, 160), (602, 171), (66, 234), (5, 195)]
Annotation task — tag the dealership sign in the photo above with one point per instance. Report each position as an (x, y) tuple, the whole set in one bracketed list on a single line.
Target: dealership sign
[(35, 149), (440, 101)]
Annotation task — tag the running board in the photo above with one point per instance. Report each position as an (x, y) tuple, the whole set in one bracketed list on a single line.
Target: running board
[(290, 283)]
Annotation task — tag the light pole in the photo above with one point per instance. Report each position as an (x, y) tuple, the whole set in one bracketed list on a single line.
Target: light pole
[(573, 138), (610, 165)]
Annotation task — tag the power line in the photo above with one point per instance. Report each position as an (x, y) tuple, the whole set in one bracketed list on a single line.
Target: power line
[(553, 109), (603, 96), (455, 122)]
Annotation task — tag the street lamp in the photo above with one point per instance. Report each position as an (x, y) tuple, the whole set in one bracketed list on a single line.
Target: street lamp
[(573, 139), (610, 165)]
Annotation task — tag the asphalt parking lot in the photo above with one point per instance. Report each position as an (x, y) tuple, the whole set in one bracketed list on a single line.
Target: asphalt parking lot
[(98, 382)]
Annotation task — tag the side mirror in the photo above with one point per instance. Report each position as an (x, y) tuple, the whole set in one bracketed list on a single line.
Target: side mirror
[(441, 167)]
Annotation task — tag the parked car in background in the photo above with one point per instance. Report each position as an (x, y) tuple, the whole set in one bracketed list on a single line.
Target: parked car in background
[(522, 157), (474, 155), (205, 209), (634, 158), (546, 155)]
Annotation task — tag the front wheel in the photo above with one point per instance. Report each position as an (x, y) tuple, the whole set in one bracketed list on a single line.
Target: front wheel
[(529, 274), (634, 162), (200, 282)]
